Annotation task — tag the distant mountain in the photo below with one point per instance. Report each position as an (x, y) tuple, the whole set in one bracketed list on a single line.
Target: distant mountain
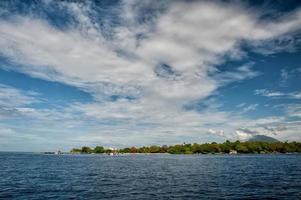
[(262, 138)]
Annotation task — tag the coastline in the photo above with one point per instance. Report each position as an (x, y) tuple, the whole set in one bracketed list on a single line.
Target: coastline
[(237, 147)]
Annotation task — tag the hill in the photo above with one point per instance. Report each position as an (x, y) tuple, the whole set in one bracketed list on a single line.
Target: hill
[(262, 138)]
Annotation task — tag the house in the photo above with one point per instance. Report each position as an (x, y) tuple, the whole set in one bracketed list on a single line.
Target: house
[(232, 152)]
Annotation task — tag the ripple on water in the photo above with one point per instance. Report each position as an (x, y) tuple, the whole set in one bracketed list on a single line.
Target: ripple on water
[(34, 176)]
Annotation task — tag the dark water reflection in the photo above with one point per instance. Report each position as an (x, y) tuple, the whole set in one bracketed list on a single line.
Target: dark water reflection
[(34, 176)]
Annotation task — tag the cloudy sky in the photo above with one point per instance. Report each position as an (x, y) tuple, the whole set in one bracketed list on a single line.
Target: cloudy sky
[(123, 73)]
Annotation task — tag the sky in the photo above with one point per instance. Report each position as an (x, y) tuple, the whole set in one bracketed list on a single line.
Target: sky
[(124, 73)]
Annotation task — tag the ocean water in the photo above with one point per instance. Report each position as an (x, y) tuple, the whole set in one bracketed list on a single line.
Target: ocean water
[(37, 176)]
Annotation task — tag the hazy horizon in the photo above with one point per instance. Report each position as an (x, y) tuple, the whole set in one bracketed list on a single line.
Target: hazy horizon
[(135, 73)]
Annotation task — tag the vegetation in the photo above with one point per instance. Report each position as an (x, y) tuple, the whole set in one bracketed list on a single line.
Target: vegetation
[(207, 148)]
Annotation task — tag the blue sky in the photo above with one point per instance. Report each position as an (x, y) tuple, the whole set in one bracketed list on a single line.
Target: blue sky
[(123, 73)]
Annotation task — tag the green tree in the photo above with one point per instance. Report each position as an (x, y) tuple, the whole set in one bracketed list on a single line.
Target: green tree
[(75, 150), (241, 148), (86, 150), (154, 149), (99, 149)]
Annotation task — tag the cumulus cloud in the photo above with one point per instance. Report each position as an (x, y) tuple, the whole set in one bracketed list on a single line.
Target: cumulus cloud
[(154, 67)]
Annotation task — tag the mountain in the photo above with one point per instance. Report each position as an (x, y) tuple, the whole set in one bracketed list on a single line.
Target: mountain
[(262, 138)]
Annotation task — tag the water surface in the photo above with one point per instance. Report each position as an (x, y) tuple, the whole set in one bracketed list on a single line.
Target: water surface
[(36, 176)]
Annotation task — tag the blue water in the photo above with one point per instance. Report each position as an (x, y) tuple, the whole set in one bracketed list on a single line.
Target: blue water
[(35, 176)]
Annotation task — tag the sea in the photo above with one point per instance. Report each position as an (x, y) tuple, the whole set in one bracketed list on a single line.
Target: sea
[(28, 176)]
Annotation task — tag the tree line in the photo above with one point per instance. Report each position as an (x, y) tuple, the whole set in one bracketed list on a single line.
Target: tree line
[(207, 148)]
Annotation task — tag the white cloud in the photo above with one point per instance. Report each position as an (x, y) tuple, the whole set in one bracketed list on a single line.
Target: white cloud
[(190, 43), (6, 132), (293, 110), (250, 108), (11, 97), (284, 76), (266, 93), (277, 94)]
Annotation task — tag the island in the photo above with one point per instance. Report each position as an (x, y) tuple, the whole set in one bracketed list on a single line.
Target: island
[(251, 146)]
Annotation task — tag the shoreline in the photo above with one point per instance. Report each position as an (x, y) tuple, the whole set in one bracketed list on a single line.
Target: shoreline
[(214, 154)]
